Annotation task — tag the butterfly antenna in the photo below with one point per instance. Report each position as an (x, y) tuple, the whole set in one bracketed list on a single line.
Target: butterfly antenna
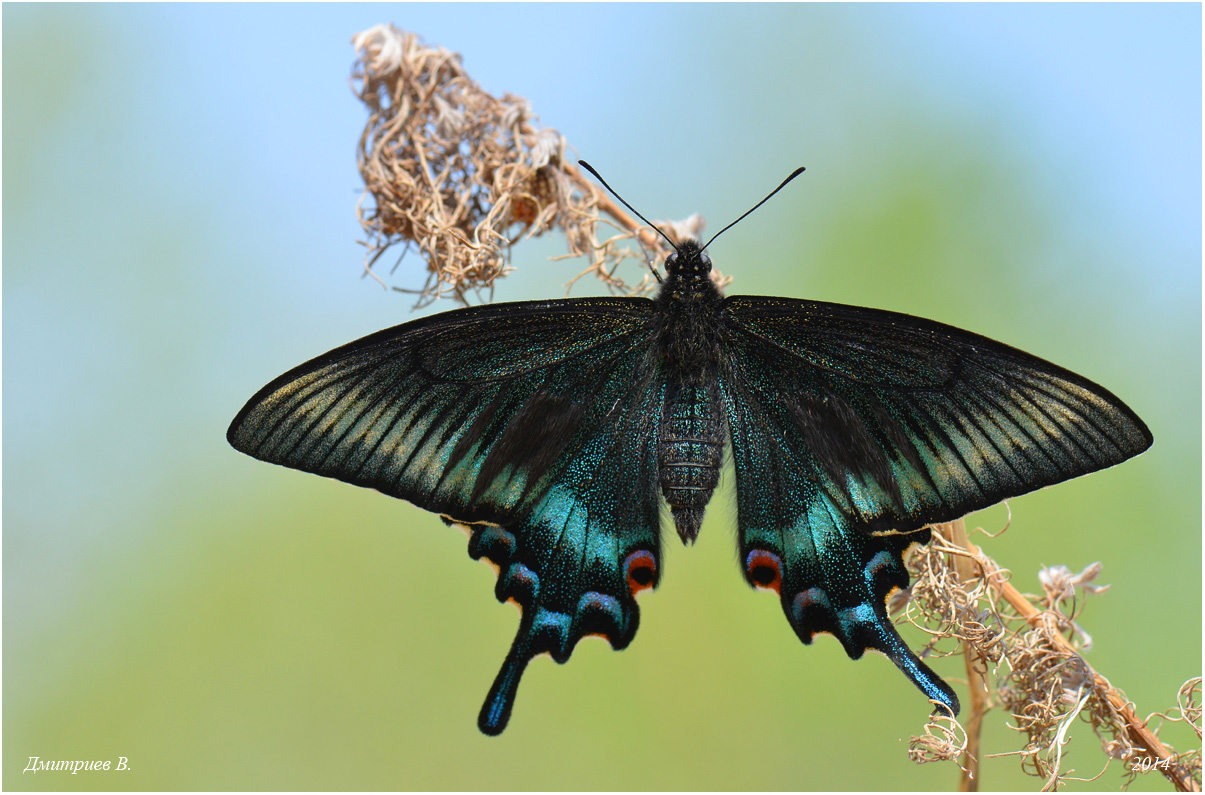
[(794, 174), (598, 177)]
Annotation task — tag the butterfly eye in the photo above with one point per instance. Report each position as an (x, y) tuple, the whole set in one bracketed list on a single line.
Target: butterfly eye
[(765, 570), (640, 569)]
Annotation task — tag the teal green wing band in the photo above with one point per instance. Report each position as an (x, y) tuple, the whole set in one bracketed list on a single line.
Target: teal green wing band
[(463, 413)]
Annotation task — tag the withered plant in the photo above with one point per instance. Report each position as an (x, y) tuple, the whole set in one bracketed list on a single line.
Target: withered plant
[(463, 175), (1022, 653)]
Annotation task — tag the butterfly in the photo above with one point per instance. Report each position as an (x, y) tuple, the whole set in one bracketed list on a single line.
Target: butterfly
[(554, 430)]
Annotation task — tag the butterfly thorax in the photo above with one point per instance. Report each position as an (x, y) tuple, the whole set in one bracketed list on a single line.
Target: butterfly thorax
[(688, 309), (691, 439)]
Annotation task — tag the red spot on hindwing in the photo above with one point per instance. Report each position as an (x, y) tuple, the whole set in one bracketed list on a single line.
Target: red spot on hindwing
[(640, 570), (764, 569)]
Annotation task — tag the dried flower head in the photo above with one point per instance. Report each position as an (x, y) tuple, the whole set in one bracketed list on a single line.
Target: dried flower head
[(463, 175), (944, 740)]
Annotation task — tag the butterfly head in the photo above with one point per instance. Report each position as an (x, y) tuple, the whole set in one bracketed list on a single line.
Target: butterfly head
[(688, 259)]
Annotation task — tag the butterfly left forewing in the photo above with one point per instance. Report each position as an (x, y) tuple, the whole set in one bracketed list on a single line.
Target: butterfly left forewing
[(459, 413), (533, 424)]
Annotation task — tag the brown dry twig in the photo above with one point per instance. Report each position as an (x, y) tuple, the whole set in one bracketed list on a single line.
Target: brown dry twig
[(1034, 656), (463, 175)]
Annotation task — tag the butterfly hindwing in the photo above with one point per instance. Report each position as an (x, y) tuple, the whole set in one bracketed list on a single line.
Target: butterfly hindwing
[(533, 424), (795, 541)]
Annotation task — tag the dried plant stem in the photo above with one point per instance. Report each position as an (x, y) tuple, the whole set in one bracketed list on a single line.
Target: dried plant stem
[(976, 680), (1139, 732)]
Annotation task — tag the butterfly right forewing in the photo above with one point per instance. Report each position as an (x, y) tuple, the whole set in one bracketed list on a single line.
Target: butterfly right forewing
[(908, 421)]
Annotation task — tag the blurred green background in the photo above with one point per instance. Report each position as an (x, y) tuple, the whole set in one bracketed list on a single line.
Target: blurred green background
[(179, 194)]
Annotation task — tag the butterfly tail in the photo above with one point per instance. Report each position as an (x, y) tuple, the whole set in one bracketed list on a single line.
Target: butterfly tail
[(877, 632), (495, 713), (867, 625)]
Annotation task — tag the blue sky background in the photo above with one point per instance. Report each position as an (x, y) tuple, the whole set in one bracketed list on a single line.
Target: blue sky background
[(179, 209)]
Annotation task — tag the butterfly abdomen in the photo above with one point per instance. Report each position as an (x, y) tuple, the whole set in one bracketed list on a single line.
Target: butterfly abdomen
[(690, 452)]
